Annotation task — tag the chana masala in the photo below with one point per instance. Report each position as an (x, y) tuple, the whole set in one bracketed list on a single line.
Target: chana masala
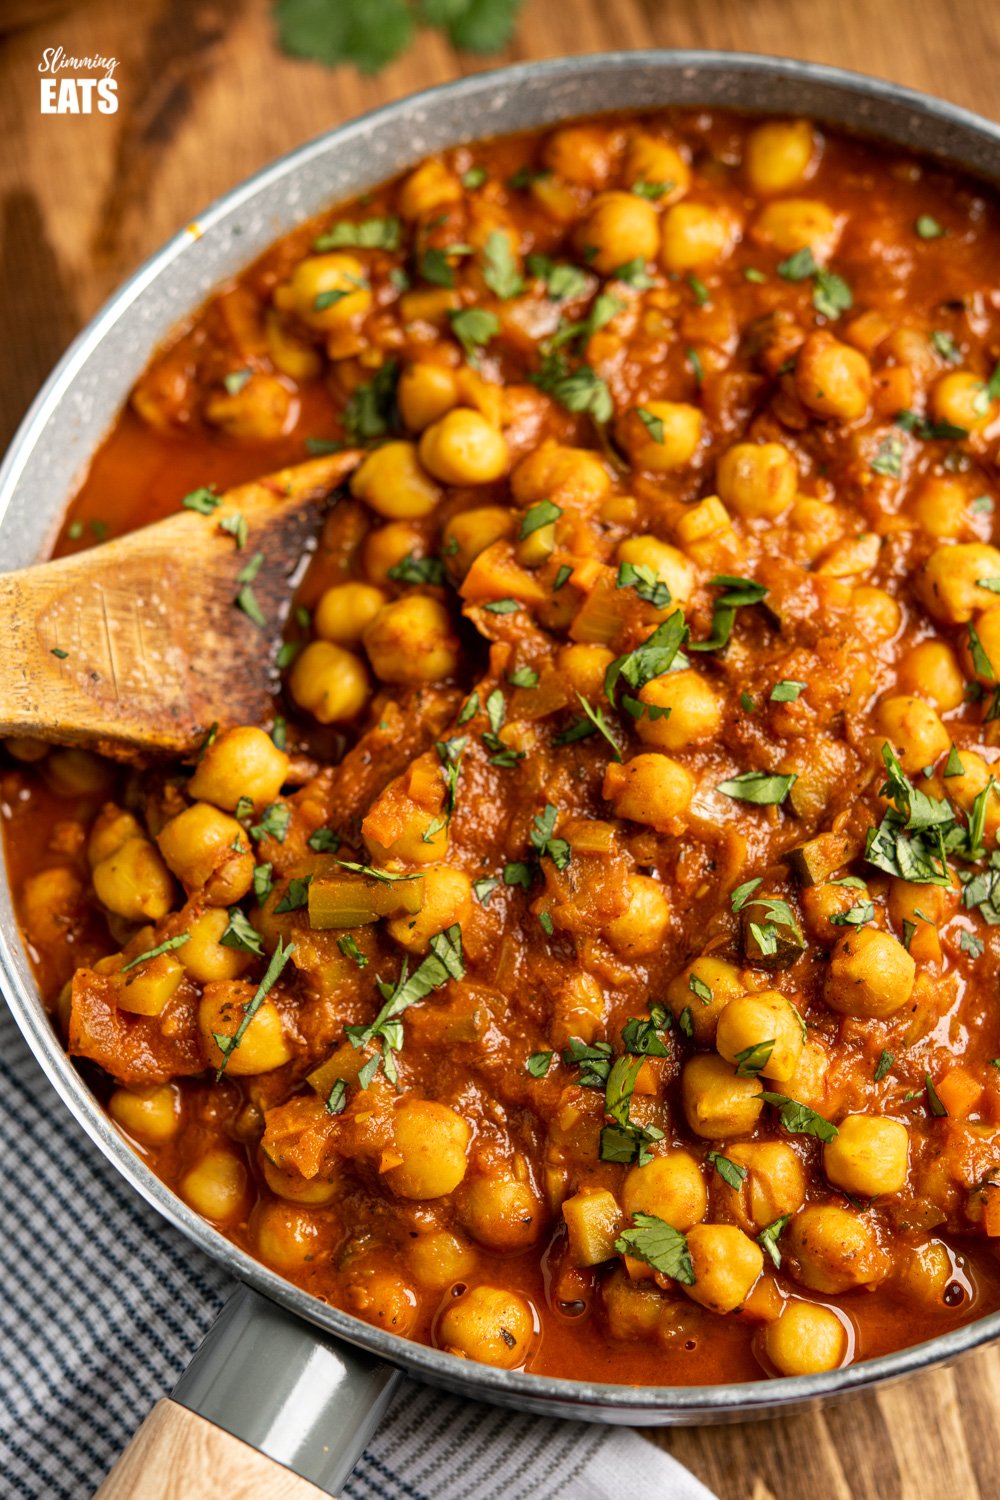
[(592, 968)]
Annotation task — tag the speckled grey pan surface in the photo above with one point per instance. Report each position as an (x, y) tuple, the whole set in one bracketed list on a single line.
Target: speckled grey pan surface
[(79, 402)]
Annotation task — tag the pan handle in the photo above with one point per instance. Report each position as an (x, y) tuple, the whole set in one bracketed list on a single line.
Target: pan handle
[(268, 1405)]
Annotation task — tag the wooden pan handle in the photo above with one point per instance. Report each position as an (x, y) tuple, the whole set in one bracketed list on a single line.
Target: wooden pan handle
[(270, 1408), (177, 1455)]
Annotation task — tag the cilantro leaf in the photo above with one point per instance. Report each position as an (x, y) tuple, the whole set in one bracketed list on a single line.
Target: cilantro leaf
[(659, 1245), (766, 788), (799, 1119)]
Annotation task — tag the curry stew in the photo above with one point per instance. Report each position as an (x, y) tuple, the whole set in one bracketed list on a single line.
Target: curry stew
[(593, 966)]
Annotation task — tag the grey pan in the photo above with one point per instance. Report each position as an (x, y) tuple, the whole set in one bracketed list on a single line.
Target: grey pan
[(346, 1366)]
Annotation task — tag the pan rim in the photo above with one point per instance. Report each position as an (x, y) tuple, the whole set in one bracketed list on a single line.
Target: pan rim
[(557, 1395)]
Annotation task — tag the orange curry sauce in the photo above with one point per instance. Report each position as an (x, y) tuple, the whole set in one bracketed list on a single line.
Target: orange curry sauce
[(699, 285)]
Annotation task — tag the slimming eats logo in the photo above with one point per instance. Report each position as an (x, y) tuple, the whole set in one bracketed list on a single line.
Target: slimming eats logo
[(79, 95)]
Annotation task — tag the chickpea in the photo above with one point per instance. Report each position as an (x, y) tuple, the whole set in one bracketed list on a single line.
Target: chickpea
[(750, 1022), (327, 291), (914, 730), (263, 1045), (329, 682), (651, 159), (870, 974), (216, 1186), (792, 224), (573, 478), (775, 1184), (260, 411), (718, 1103), (869, 1156), (727, 1264), (111, 829), (963, 400), (579, 1009), (949, 586), (672, 1187), (704, 989), (932, 669), (396, 826), (488, 1324), (472, 531), (757, 480), (923, 1271), (424, 393), (447, 899), (650, 789), (806, 1339), (430, 189), (966, 788), (286, 1235), (388, 545), (584, 667), (411, 640), (242, 762), (204, 956), (639, 930), (581, 154), (25, 749), (289, 1184), (152, 1115), (437, 1259), (779, 155), (617, 228), (832, 1249), (808, 1083), (290, 355), (431, 1141), (344, 611), (384, 1299), (987, 628), (392, 482), (49, 901), (876, 613), (696, 235), (463, 448), (695, 712), (500, 1212), (207, 850), (666, 563), (832, 379), (941, 507), (677, 427), (78, 773), (134, 882)]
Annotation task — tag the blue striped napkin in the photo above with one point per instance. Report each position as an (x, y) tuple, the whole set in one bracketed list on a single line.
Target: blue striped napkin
[(104, 1303)]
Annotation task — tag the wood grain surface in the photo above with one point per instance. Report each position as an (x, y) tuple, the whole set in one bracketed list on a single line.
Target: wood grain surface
[(205, 100), (177, 1455)]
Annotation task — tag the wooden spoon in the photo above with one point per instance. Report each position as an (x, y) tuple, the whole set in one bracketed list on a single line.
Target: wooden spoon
[(135, 648)]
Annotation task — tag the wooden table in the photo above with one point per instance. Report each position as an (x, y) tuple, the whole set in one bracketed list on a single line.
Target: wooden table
[(205, 100)]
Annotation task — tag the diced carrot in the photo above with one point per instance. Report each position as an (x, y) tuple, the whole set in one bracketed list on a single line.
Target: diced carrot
[(960, 1093), (991, 1212)]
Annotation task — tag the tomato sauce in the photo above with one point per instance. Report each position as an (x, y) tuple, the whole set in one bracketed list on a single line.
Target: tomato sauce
[(663, 708)]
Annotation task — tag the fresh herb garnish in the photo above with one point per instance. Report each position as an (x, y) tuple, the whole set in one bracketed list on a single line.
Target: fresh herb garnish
[(732, 1174), (799, 1119), (227, 1045), (659, 1245), (241, 934), (765, 788), (167, 946)]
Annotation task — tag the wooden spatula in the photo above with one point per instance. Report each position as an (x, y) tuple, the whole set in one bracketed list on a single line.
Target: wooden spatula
[(135, 648)]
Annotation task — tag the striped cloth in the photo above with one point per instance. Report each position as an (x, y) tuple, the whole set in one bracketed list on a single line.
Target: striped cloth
[(103, 1304)]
